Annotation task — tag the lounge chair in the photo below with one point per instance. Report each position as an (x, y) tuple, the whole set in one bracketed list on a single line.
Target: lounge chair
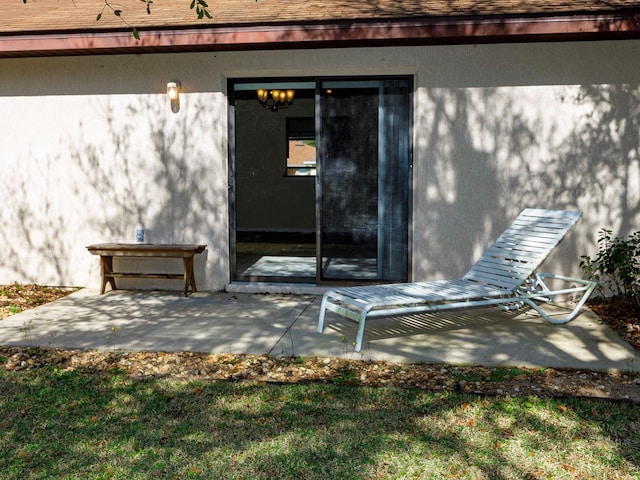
[(505, 276)]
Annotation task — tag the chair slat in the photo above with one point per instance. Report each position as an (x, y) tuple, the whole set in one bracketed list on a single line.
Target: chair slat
[(516, 253)]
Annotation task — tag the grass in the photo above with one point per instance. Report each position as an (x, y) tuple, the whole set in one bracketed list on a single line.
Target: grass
[(74, 425)]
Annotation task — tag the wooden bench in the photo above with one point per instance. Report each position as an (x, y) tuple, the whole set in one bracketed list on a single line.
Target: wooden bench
[(109, 250)]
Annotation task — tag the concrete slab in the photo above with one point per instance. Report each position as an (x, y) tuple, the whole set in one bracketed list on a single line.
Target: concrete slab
[(491, 337), (285, 325)]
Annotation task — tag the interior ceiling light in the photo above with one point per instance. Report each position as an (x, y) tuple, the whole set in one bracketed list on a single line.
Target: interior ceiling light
[(275, 100)]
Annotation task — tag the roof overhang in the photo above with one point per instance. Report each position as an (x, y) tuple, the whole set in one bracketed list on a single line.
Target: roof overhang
[(428, 31)]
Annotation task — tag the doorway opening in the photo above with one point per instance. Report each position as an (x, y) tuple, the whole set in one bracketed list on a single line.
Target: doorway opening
[(319, 182)]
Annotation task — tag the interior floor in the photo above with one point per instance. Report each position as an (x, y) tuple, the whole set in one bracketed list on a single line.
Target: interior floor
[(260, 255), (292, 258)]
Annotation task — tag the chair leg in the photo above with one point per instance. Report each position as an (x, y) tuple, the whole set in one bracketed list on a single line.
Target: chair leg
[(546, 294), (323, 311), (363, 319), (558, 321), (106, 267), (189, 276), (361, 323)]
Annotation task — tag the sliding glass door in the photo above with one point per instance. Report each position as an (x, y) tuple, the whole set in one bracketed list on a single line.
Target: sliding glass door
[(319, 185), (363, 181)]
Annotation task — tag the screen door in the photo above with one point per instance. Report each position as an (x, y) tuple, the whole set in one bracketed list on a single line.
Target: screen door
[(363, 180)]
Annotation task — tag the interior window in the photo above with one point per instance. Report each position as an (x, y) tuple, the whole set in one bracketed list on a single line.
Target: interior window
[(301, 147)]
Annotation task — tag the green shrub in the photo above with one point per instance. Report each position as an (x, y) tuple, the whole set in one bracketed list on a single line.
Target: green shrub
[(616, 267)]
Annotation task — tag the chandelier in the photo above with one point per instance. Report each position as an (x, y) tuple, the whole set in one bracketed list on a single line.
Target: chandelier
[(279, 98)]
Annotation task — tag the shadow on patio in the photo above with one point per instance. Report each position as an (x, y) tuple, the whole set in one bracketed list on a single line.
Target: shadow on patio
[(285, 325)]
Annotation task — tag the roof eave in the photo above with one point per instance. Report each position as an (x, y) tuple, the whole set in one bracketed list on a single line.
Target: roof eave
[(426, 31)]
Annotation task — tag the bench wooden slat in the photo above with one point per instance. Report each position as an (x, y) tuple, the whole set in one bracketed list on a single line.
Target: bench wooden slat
[(167, 276), (145, 250)]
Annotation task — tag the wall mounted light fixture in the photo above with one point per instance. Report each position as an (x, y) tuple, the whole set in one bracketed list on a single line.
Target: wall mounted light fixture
[(173, 92)]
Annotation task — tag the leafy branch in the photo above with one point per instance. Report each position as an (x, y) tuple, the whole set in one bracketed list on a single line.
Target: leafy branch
[(118, 13), (200, 6), (616, 267), (202, 9)]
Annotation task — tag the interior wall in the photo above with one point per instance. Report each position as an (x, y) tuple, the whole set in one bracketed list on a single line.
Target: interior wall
[(89, 150), (266, 199)]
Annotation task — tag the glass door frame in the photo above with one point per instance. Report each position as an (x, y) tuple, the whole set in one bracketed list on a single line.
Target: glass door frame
[(231, 83)]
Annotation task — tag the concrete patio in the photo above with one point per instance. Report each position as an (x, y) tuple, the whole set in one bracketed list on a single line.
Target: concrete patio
[(285, 325)]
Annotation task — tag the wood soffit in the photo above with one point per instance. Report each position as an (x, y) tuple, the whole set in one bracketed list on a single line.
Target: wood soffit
[(69, 27)]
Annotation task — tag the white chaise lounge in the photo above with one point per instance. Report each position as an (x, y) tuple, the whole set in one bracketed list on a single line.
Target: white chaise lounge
[(505, 276)]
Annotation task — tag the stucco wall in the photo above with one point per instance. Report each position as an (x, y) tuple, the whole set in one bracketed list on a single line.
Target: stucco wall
[(90, 149), (502, 127)]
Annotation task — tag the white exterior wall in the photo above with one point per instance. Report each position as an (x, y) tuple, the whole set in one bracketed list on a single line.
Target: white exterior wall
[(89, 149)]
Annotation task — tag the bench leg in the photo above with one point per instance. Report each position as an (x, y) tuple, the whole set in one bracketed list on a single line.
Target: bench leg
[(106, 267), (189, 276)]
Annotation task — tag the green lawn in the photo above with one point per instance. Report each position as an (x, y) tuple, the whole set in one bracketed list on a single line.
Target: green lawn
[(60, 424)]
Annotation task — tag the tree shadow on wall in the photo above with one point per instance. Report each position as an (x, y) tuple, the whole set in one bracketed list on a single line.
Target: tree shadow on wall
[(600, 161), (155, 171), (465, 180), (31, 234), (134, 163), (479, 152)]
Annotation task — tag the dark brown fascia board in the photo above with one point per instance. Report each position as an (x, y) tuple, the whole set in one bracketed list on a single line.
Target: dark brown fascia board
[(340, 34)]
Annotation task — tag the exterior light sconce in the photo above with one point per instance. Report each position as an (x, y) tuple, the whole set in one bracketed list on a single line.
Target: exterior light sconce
[(279, 98), (173, 92)]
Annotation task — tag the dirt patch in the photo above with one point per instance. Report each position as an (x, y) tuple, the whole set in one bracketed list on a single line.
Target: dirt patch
[(252, 368), (17, 297), (622, 316)]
